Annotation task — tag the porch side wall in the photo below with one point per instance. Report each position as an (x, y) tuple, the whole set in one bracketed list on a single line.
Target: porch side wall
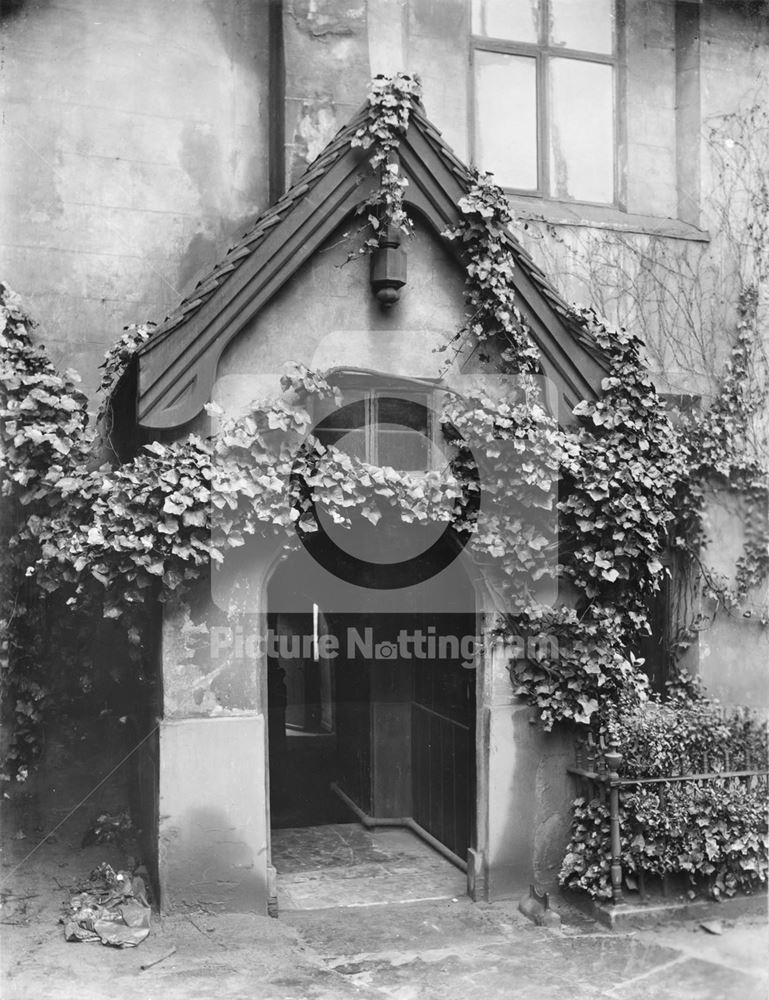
[(525, 793), (214, 822), (213, 828)]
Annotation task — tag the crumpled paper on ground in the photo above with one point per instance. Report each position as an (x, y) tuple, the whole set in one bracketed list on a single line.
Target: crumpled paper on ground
[(111, 908)]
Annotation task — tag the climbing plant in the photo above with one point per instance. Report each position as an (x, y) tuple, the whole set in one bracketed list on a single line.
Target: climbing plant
[(685, 298), (391, 101), (43, 435), (711, 834), (119, 538)]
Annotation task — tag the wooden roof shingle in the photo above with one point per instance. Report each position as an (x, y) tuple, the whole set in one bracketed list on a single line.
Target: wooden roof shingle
[(177, 366)]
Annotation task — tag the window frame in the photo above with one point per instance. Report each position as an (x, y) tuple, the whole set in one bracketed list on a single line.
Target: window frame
[(373, 424), (543, 53), (370, 394)]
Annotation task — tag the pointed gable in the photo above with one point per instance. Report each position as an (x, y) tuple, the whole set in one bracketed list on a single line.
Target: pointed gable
[(177, 366)]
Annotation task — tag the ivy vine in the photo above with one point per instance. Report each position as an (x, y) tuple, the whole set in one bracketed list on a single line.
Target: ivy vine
[(116, 539), (391, 101), (714, 834)]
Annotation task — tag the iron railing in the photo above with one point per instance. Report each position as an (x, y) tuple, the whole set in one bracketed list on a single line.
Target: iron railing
[(598, 770)]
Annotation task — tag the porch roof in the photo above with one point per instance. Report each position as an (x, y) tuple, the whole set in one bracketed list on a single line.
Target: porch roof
[(177, 366)]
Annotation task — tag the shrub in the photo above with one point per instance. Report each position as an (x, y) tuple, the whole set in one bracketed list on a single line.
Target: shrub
[(713, 831)]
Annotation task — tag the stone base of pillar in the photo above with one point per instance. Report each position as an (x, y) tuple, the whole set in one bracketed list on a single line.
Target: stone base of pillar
[(213, 836)]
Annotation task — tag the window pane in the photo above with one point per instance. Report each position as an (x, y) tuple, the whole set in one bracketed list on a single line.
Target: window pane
[(581, 131), (401, 449), (345, 428), (582, 24), (410, 413), (506, 118), (402, 428), (351, 442), (350, 415), (517, 20)]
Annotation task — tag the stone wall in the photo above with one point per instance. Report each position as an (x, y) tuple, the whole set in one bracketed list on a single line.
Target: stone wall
[(677, 281), (136, 145), (734, 652), (134, 141)]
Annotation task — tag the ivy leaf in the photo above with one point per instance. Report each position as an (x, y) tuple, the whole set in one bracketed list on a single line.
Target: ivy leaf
[(372, 514), (173, 507), (588, 708)]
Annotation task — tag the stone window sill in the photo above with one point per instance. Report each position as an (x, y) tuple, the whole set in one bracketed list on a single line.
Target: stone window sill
[(564, 213)]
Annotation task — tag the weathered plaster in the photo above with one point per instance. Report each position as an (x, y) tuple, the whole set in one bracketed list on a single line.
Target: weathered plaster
[(213, 835), (734, 652), (320, 18), (132, 146), (329, 314), (327, 74), (208, 665), (525, 794)]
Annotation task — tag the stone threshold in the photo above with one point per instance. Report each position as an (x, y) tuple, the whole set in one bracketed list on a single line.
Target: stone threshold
[(636, 914)]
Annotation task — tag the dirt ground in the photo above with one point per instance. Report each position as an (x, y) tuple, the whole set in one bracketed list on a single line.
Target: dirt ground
[(441, 950), (438, 950)]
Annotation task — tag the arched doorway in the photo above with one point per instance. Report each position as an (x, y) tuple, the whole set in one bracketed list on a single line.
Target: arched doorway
[(372, 710)]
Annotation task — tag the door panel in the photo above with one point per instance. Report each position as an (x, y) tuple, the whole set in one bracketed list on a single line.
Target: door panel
[(442, 740), (442, 798), (353, 720)]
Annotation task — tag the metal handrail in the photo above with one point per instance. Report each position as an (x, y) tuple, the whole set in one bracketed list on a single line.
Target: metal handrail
[(611, 780), (708, 775)]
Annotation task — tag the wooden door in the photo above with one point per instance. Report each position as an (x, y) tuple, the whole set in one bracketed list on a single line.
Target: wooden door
[(443, 744), (353, 718)]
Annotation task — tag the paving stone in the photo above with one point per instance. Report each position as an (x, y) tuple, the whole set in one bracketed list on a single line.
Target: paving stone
[(440, 950), (345, 933), (692, 979), (610, 959), (347, 865)]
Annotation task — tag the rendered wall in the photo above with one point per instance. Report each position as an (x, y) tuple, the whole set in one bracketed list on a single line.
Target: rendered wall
[(213, 827), (734, 652), (213, 836), (133, 146), (649, 109), (329, 316), (526, 794)]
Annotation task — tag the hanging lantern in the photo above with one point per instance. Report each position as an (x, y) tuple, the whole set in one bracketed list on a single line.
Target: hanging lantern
[(388, 267)]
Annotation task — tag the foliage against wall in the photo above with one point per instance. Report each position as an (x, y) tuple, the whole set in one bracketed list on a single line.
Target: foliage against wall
[(685, 299), (712, 833), (120, 538)]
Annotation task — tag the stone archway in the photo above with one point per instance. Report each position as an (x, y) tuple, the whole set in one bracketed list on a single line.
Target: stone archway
[(377, 705)]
